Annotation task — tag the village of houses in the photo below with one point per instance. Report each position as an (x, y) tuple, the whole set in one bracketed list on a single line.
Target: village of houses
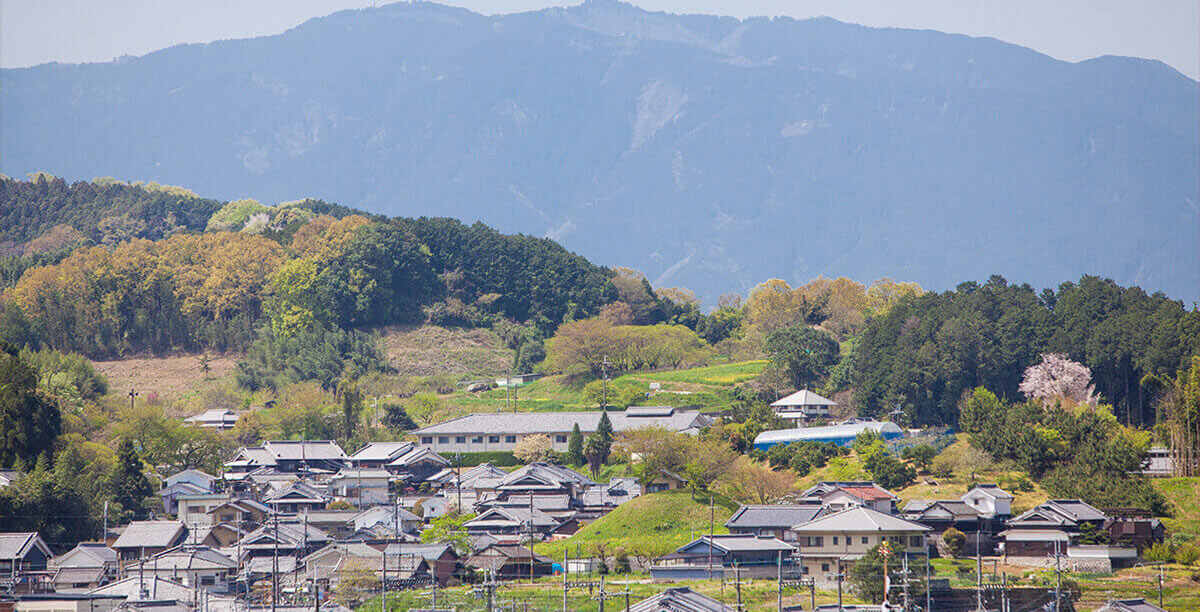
[(265, 534)]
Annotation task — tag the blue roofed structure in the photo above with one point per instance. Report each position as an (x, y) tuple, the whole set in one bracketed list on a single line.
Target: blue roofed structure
[(842, 434)]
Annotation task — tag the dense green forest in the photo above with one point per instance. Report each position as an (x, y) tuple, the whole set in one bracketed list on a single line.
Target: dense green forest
[(926, 352)]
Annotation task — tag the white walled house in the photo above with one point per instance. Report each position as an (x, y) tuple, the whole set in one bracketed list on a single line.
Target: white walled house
[(803, 405), (989, 500)]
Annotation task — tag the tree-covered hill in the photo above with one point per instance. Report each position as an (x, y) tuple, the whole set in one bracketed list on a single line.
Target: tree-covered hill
[(709, 152)]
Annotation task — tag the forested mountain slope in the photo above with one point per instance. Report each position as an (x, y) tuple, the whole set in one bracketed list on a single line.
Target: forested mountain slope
[(709, 152)]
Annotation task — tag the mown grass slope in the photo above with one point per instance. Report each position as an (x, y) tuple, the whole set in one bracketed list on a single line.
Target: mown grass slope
[(650, 525)]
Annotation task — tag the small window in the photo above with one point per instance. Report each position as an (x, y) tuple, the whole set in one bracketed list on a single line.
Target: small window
[(460, 439), (835, 542), (443, 439), (866, 540), (914, 541), (207, 580), (510, 439), (477, 440), (824, 567), (426, 439), (493, 439), (560, 438)]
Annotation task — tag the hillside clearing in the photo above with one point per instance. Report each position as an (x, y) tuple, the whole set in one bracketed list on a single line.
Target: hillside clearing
[(430, 350), (168, 377)]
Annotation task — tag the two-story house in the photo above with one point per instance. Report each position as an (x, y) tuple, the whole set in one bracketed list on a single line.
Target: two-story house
[(838, 540)]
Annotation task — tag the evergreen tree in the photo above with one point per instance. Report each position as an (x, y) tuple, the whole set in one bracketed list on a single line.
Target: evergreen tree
[(604, 434), (575, 447), (130, 487)]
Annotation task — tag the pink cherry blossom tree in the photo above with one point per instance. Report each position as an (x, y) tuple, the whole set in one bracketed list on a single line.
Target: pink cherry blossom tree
[(1057, 377)]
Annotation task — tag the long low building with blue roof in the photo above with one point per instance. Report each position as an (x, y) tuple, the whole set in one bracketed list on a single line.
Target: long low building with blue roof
[(842, 434)]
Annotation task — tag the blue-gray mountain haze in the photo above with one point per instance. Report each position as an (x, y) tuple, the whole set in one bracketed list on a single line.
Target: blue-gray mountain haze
[(709, 152)]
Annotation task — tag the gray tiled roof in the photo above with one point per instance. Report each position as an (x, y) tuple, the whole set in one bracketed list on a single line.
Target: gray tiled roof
[(150, 534), (804, 397), (741, 543), (17, 545), (993, 490), (547, 472), (859, 519), (382, 451), (1077, 509), (429, 551), (561, 422), (1129, 605), (780, 516), (188, 557), (87, 554), (295, 450), (679, 599), (66, 576)]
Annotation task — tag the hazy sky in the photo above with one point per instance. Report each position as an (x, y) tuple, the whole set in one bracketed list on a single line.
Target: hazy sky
[(37, 31)]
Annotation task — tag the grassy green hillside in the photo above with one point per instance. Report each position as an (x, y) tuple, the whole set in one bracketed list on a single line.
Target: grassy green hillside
[(650, 525), (1183, 496)]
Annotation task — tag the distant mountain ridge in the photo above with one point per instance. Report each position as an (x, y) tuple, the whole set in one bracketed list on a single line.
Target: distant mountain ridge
[(709, 152)]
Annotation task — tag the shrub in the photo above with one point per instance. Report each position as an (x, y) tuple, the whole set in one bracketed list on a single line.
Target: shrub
[(496, 458), (1187, 554), (621, 561), (955, 541)]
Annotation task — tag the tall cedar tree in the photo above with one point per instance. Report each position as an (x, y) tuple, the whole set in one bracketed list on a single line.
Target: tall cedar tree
[(604, 432), (130, 487), (575, 447), (28, 423)]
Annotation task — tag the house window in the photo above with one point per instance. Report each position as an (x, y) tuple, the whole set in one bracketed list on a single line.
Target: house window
[(426, 439), (477, 440), (494, 439), (824, 567), (207, 581), (866, 540), (835, 538), (443, 439), (914, 541), (560, 438), (510, 439), (814, 541), (460, 439)]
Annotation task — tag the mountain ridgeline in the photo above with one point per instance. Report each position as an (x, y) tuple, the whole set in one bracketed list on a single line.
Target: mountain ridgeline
[(709, 152)]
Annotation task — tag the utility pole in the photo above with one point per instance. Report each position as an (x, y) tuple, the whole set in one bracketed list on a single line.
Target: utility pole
[(928, 587), (275, 565), (1057, 578), (458, 478), (904, 572), (383, 583), (566, 564), (779, 580), (737, 584), (711, 532), (979, 577), (104, 534), (1004, 603), (1160, 584), (839, 584), (604, 404), (531, 538)]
